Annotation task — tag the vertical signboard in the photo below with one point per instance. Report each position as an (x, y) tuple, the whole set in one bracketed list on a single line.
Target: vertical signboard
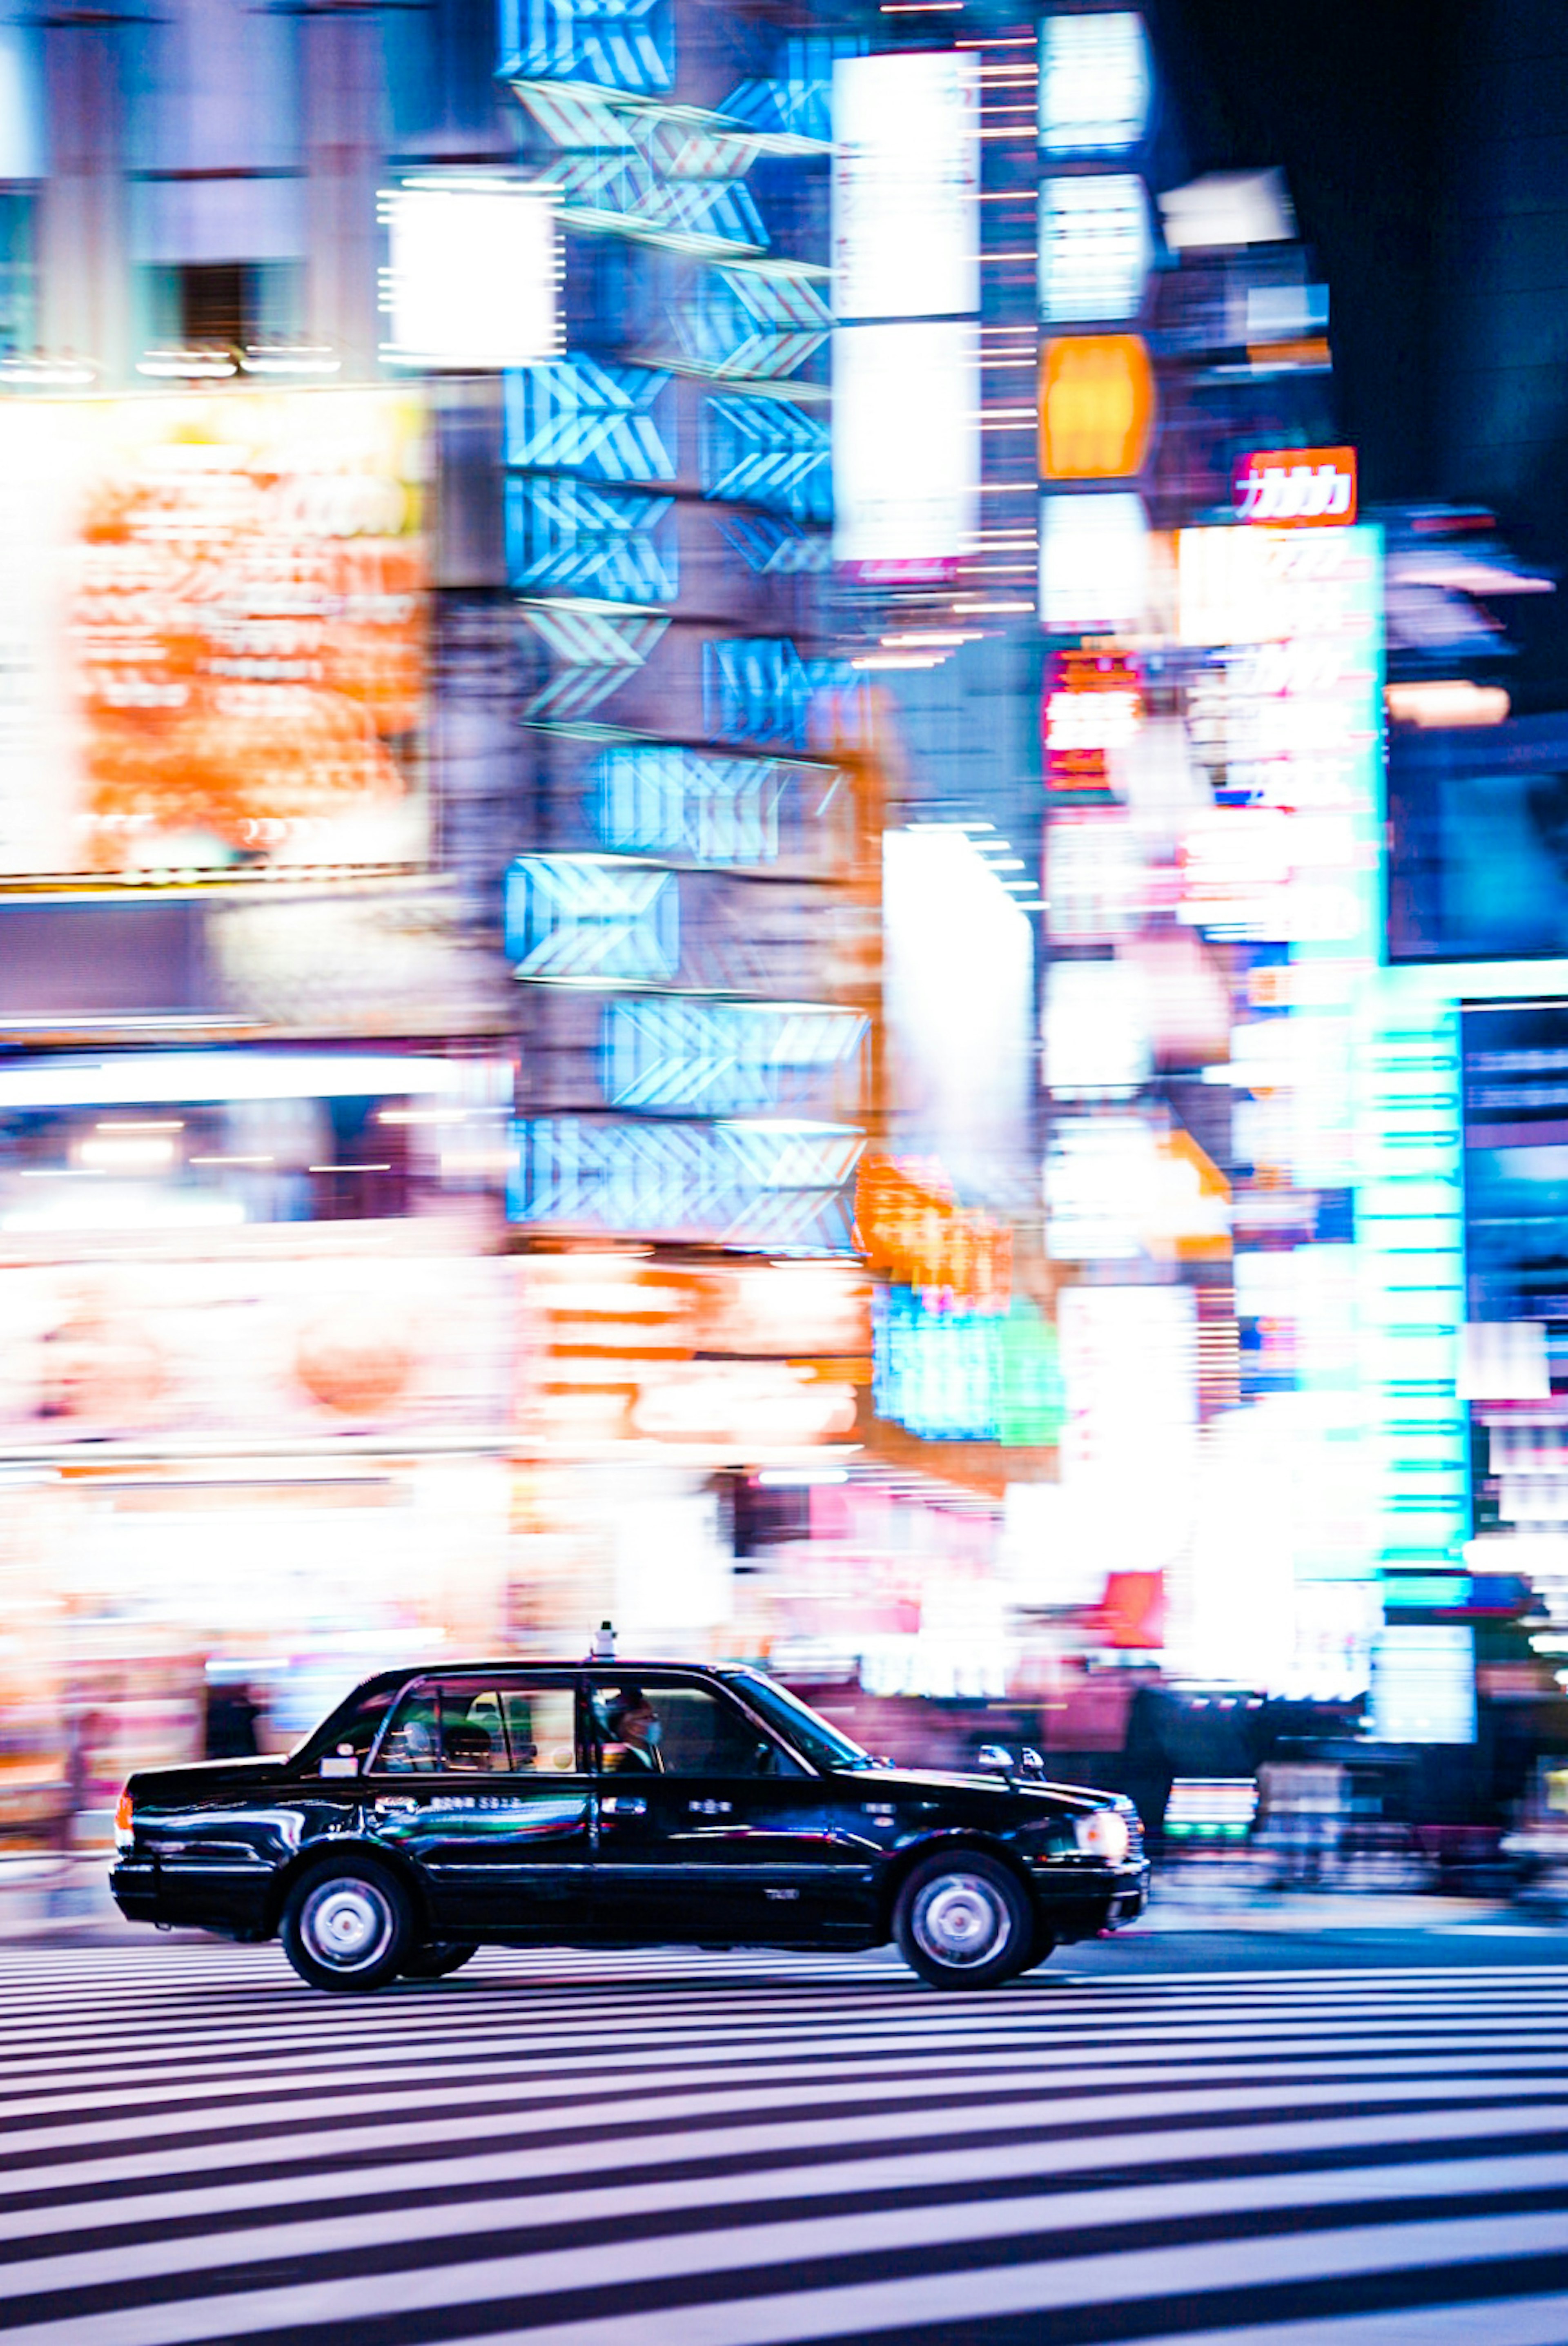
[(906, 290)]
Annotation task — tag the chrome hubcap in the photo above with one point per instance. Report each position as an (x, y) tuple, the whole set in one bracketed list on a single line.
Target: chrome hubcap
[(959, 1919), (347, 1924)]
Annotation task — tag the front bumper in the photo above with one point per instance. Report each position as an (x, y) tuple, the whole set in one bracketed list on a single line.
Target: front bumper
[(1081, 1902)]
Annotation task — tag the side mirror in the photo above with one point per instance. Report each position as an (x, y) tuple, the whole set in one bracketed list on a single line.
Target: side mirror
[(1029, 1762), (995, 1760)]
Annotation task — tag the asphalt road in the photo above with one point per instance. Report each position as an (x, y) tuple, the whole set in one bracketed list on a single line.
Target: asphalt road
[(1267, 2138)]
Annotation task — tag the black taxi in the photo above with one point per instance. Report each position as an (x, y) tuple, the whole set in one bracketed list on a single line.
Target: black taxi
[(615, 1803)]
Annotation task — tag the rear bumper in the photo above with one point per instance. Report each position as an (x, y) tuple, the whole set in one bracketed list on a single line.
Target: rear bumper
[(232, 1901)]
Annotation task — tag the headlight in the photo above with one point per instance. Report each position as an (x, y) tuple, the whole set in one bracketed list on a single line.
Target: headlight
[(1103, 1833), (124, 1826)]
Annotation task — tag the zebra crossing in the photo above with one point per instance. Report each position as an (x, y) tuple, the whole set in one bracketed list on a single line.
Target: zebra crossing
[(688, 2149)]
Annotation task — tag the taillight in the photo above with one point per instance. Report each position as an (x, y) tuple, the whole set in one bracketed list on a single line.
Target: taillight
[(124, 1824)]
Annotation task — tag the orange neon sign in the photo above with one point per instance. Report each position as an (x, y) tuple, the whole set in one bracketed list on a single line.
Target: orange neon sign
[(1096, 407)]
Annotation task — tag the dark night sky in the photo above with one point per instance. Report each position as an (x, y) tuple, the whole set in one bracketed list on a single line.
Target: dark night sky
[(1347, 94)]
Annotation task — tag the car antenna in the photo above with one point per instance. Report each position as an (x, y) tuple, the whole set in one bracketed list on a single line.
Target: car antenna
[(603, 1645)]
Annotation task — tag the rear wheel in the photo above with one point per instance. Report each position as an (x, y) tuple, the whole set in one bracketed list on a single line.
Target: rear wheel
[(964, 1920), (436, 1959), (348, 1927)]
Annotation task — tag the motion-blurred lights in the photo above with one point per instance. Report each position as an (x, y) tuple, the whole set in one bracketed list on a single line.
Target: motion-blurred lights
[(188, 1077), (201, 362), (1094, 562), (1451, 701), (474, 275), (294, 359), (1226, 209), (1096, 87), (44, 371), (126, 1153), (1096, 246)]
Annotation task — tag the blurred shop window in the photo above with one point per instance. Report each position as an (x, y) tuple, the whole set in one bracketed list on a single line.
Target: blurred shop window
[(213, 301), (234, 303), (18, 269)]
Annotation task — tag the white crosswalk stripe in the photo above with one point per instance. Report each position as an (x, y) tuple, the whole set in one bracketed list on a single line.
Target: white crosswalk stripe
[(681, 2149)]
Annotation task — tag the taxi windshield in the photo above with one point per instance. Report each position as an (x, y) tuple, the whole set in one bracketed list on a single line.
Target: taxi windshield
[(822, 1744)]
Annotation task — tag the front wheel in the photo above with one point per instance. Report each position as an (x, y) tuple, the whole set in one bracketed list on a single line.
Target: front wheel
[(964, 1920), (436, 1959), (348, 1925)]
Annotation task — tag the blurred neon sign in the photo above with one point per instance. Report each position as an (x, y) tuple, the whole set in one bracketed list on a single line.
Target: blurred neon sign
[(1094, 705), (1096, 407), (1297, 488)]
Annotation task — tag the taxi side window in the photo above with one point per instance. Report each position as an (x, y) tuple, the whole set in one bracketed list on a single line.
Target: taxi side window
[(413, 1744), (678, 1731), (540, 1729), (463, 1727)]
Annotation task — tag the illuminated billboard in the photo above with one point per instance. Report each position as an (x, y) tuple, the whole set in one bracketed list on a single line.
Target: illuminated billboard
[(906, 185), (1096, 85), (473, 270), (215, 614), (1096, 246), (906, 449)]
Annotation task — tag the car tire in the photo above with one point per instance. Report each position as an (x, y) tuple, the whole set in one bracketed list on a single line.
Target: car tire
[(962, 1920), (348, 1927), (1041, 1951), (437, 1959)]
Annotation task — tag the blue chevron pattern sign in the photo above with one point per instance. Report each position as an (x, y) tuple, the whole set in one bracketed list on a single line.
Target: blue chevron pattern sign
[(766, 451), (596, 646), (577, 416), (730, 1058), (755, 325), (657, 799), (563, 537), (622, 45), (592, 919), (785, 1187)]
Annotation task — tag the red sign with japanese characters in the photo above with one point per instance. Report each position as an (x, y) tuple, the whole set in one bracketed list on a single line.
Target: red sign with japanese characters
[(1297, 488)]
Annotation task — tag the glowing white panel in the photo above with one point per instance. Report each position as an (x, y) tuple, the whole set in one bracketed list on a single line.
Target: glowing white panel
[(1096, 247), (906, 185), (1423, 1686), (906, 448), (1097, 1042), (184, 1077), (1094, 561), (1130, 1445), (473, 273), (959, 980), (1096, 87)]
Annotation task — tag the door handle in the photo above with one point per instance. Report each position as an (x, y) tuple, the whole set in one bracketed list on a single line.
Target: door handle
[(385, 1807), (621, 1804)]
